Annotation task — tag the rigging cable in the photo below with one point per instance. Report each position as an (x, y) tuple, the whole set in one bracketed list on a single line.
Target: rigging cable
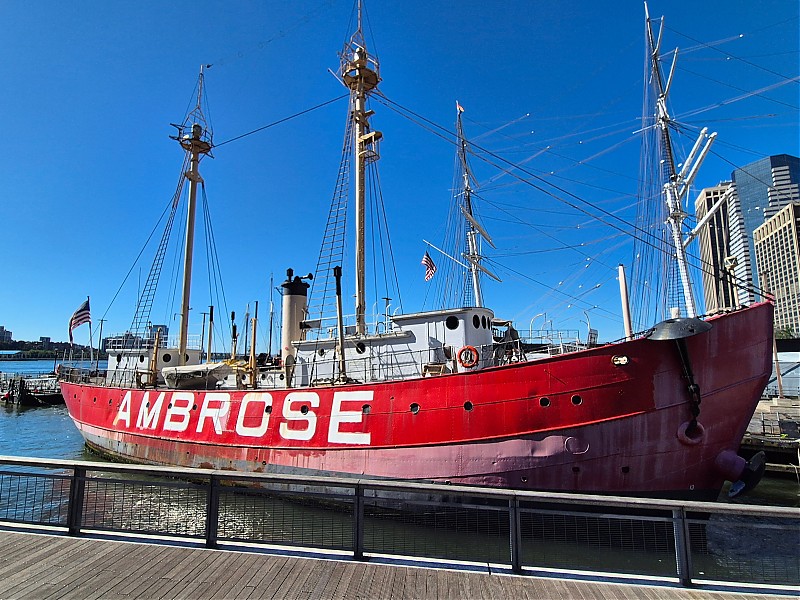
[(284, 120), (644, 236)]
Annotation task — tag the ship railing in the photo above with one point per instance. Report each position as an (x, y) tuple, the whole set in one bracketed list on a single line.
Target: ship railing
[(81, 375), (127, 341), (374, 364), (553, 342), (707, 545), (377, 364)]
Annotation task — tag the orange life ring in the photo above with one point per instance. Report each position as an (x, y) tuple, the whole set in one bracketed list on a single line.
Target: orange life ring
[(468, 357)]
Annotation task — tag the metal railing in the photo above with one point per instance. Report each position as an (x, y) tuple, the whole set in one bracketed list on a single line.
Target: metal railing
[(526, 532)]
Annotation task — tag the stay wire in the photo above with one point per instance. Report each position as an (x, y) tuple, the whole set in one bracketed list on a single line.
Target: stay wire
[(728, 54), (168, 208), (284, 120), (438, 131)]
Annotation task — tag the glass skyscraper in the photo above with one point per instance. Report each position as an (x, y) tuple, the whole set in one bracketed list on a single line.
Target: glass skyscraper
[(762, 189)]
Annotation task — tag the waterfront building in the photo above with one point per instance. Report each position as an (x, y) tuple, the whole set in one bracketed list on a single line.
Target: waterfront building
[(777, 248), (718, 265), (5, 335), (762, 188)]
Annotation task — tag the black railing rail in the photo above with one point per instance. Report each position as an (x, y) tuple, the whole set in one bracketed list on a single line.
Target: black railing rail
[(522, 531)]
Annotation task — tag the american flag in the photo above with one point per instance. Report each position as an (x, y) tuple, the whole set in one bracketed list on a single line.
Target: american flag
[(79, 317), (430, 268)]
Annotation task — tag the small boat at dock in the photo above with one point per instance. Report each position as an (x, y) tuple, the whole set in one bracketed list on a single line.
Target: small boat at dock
[(42, 390)]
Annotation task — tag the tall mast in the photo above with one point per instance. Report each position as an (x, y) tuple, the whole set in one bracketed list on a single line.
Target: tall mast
[(197, 142), (360, 73), (677, 182), (474, 229), (472, 245)]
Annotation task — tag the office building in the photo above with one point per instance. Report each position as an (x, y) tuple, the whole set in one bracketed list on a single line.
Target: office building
[(763, 188), (777, 248), (715, 255)]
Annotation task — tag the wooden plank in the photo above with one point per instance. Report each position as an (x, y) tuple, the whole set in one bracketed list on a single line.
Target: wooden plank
[(292, 579), (31, 557), (315, 571), (133, 563), (267, 585), (28, 573), (264, 572), (193, 585), (327, 588), (240, 574), (398, 589), (63, 568), (24, 545), (95, 585)]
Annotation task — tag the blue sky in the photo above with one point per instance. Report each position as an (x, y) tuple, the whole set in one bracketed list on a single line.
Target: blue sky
[(87, 165)]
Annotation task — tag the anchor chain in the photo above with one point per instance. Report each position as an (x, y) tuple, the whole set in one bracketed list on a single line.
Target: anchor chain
[(693, 388)]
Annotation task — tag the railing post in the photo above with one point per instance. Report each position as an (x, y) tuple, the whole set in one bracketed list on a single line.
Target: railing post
[(515, 534), (77, 486), (683, 557), (212, 511), (358, 522)]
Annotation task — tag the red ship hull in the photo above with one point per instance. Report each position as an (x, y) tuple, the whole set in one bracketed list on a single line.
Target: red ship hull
[(583, 422)]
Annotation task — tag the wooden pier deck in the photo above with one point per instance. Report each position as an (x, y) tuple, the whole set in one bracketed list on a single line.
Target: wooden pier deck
[(39, 565)]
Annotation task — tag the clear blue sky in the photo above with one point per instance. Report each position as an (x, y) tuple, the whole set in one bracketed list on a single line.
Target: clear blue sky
[(89, 89)]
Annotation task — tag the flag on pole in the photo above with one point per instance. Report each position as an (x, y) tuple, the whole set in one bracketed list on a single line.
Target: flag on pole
[(79, 317), (430, 268), (459, 108)]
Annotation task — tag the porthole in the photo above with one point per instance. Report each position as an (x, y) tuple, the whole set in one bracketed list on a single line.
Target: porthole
[(263, 463), (282, 377), (141, 358), (468, 406), (268, 409), (524, 479), (626, 469), (483, 321), (304, 409), (576, 469), (119, 358), (194, 407), (167, 357), (576, 400), (366, 409), (414, 408), (186, 358), (451, 322), (169, 405), (361, 348), (544, 401), (476, 321), (94, 399), (321, 351)]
